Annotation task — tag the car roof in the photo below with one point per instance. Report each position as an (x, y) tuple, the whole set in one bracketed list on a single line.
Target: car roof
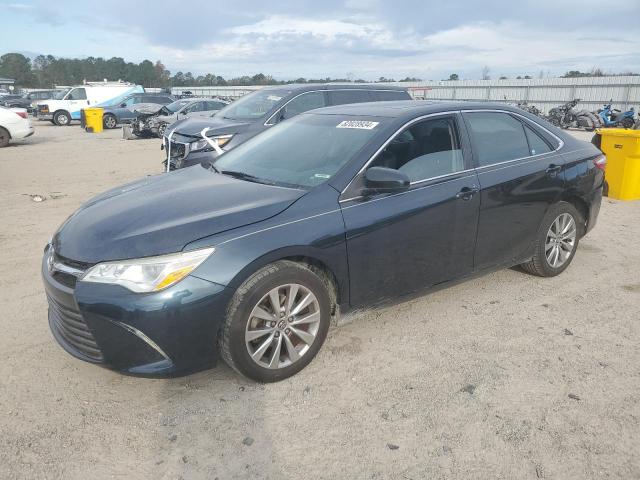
[(409, 108), (304, 87)]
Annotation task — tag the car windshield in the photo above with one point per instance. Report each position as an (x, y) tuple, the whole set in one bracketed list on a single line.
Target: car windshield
[(253, 106), (177, 105), (302, 152), (61, 95)]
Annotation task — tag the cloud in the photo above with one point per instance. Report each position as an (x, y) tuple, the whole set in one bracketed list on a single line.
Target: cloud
[(363, 38)]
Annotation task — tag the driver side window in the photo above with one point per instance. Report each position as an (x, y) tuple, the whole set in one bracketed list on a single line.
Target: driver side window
[(77, 94), (425, 150), (303, 103)]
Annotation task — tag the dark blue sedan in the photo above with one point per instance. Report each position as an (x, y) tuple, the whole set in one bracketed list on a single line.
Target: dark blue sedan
[(336, 209)]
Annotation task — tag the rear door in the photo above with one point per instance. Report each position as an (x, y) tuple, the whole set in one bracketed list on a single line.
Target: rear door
[(520, 175), (401, 242)]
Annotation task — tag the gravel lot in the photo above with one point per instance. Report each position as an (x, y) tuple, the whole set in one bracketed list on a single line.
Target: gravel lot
[(506, 376)]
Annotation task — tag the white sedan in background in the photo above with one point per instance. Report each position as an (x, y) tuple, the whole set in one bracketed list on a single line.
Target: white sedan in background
[(14, 125)]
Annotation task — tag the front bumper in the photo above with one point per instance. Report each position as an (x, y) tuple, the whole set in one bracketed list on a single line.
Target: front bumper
[(168, 333), (193, 158), (40, 115)]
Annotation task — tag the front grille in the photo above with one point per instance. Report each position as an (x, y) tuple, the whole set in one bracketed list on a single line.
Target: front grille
[(65, 278), (70, 325)]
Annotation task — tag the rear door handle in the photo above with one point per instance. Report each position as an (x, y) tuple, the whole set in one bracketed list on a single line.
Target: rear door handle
[(553, 170), (466, 193)]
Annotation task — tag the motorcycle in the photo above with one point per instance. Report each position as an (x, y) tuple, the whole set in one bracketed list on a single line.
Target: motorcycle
[(530, 108), (567, 116), (612, 117)]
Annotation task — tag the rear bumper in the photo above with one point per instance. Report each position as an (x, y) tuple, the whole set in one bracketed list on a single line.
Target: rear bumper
[(594, 202), (23, 132), (169, 333)]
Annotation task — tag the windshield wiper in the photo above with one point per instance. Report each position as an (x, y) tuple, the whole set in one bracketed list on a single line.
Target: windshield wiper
[(245, 176), (214, 168)]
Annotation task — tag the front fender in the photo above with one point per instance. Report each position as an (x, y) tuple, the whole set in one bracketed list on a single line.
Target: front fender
[(313, 227)]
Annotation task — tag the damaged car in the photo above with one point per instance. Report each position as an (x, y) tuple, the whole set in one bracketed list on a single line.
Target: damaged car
[(184, 108)]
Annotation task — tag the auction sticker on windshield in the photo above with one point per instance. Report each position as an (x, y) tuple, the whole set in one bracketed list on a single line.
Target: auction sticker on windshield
[(361, 124)]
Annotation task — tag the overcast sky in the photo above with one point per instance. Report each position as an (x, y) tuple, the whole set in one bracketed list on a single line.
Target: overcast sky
[(352, 38)]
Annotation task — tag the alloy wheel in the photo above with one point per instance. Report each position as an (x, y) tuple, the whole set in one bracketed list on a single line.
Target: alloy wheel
[(282, 326), (110, 121), (561, 240)]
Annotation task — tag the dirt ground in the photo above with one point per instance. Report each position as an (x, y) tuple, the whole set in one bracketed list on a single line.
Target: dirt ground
[(503, 377)]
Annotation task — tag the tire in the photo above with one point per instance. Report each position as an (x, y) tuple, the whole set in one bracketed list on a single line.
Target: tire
[(61, 118), (275, 341), (540, 264), (5, 137), (109, 121), (627, 123), (161, 129)]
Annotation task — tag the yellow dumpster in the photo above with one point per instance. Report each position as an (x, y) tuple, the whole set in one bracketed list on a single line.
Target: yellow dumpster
[(93, 119), (622, 148)]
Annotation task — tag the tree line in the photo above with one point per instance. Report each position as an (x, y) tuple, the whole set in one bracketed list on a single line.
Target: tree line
[(47, 71)]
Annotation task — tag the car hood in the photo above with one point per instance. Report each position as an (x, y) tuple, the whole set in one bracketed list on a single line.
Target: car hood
[(163, 213), (191, 127)]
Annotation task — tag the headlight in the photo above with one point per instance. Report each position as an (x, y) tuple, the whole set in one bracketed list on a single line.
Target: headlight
[(148, 274), (203, 144)]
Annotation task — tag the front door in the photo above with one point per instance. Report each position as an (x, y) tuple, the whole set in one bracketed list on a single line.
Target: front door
[(401, 242)]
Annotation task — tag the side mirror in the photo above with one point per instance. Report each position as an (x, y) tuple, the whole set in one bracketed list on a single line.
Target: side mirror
[(382, 178), (123, 105)]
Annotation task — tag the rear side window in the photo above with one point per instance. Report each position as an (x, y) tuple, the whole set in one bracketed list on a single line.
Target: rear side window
[(341, 97), (390, 95), (536, 144), (496, 137)]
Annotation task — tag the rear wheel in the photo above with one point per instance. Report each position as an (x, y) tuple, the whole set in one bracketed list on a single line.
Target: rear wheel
[(109, 121), (557, 241), (61, 118), (276, 322), (4, 137), (627, 123)]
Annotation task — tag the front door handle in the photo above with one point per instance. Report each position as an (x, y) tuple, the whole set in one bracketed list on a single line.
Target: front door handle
[(466, 193), (553, 170)]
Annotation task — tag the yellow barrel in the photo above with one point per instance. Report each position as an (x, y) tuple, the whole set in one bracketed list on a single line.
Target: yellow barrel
[(93, 119), (622, 148)]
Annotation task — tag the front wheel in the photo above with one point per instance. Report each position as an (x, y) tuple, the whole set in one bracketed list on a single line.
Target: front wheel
[(557, 241), (276, 322), (61, 118), (161, 129)]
